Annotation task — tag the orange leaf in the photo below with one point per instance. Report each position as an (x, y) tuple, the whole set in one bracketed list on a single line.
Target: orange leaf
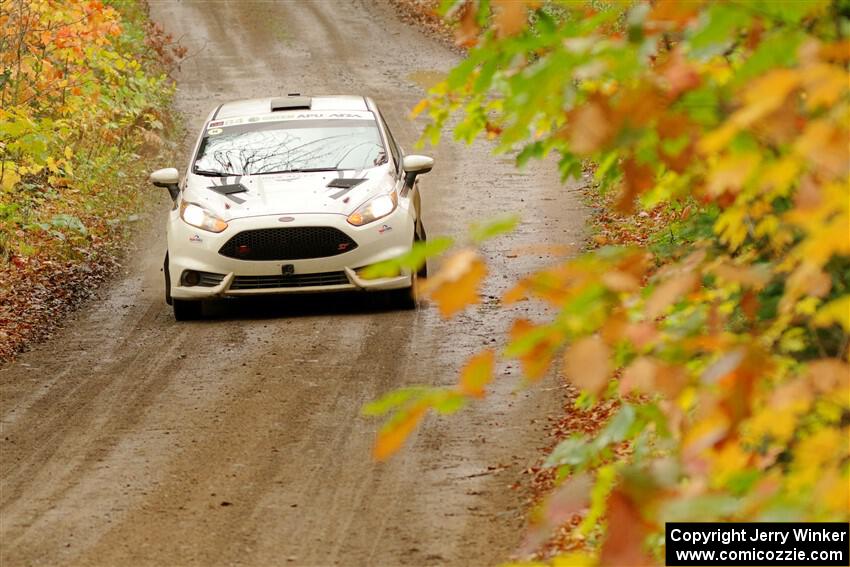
[(639, 376), (637, 179), (419, 108), (649, 376), (672, 13), (669, 292), (828, 374), (746, 275), (466, 34), (510, 17), (516, 293), (477, 373), (589, 126), (618, 281), (456, 284), (587, 364), (624, 540), (392, 436), (681, 75), (535, 362)]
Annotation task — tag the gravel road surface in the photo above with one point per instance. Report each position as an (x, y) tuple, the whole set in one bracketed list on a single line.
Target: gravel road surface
[(129, 439)]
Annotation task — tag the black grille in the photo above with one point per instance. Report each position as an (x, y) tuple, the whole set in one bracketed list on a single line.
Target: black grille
[(209, 279), (297, 280), (292, 243)]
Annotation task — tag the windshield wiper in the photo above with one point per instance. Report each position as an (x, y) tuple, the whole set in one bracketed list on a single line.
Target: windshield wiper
[(206, 173), (301, 170)]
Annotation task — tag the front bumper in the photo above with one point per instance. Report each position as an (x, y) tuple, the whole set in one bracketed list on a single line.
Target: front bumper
[(197, 250)]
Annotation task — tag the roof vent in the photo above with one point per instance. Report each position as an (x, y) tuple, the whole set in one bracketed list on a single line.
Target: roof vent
[(291, 102)]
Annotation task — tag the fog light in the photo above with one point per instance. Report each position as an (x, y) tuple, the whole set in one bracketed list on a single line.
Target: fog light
[(190, 278)]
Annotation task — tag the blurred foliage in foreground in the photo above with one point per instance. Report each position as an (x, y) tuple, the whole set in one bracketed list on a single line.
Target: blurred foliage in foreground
[(725, 340), (83, 88)]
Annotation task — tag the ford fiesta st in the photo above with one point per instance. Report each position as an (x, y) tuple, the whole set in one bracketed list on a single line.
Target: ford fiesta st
[(289, 195)]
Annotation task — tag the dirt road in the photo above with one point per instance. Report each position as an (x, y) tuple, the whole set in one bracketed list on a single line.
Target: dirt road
[(128, 439)]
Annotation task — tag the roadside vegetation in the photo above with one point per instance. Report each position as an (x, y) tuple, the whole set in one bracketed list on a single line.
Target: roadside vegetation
[(84, 92), (708, 324)]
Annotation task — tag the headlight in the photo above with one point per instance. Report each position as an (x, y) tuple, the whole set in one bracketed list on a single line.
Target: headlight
[(374, 209), (199, 217)]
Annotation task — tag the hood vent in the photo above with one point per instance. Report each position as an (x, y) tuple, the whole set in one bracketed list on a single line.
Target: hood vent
[(346, 182)]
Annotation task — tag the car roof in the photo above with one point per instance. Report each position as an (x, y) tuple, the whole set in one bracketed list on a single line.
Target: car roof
[(261, 106)]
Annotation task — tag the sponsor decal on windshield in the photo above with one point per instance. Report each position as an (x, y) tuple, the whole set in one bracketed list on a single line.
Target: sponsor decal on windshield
[(283, 117)]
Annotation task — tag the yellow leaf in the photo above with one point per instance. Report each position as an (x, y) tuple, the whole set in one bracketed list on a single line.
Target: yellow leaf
[(456, 284), (765, 95), (836, 311), (587, 364), (477, 373), (705, 433), (10, 178), (574, 559), (727, 461), (69, 153), (731, 172), (813, 455), (824, 85)]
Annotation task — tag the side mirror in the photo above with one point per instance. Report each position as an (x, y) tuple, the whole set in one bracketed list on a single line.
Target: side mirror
[(168, 178), (414, 165)]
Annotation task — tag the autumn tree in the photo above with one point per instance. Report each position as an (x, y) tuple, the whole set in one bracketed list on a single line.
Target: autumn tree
[(724, 339)]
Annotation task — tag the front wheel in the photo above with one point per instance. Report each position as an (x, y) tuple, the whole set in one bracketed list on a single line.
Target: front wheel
[(168, 299), (187, 310)]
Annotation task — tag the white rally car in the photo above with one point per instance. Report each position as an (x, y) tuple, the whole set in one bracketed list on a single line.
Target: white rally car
[(287, 195)]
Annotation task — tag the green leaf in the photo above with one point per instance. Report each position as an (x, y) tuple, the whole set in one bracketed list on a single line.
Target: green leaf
[(69, 222), (448, 402), (412, 260), (574, 451), (777, 50), (479, 233), (619, 428), (722, 22), (534, 150), (393, 400)]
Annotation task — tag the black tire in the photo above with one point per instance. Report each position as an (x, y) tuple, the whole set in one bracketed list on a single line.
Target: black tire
[(167, 280), (419, 236), (187, 310)]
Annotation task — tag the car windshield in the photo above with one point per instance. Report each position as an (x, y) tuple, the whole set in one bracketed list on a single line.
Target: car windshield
[(257, 148)]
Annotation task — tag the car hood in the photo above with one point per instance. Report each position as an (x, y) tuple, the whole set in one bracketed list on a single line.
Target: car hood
[(286, 193)]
